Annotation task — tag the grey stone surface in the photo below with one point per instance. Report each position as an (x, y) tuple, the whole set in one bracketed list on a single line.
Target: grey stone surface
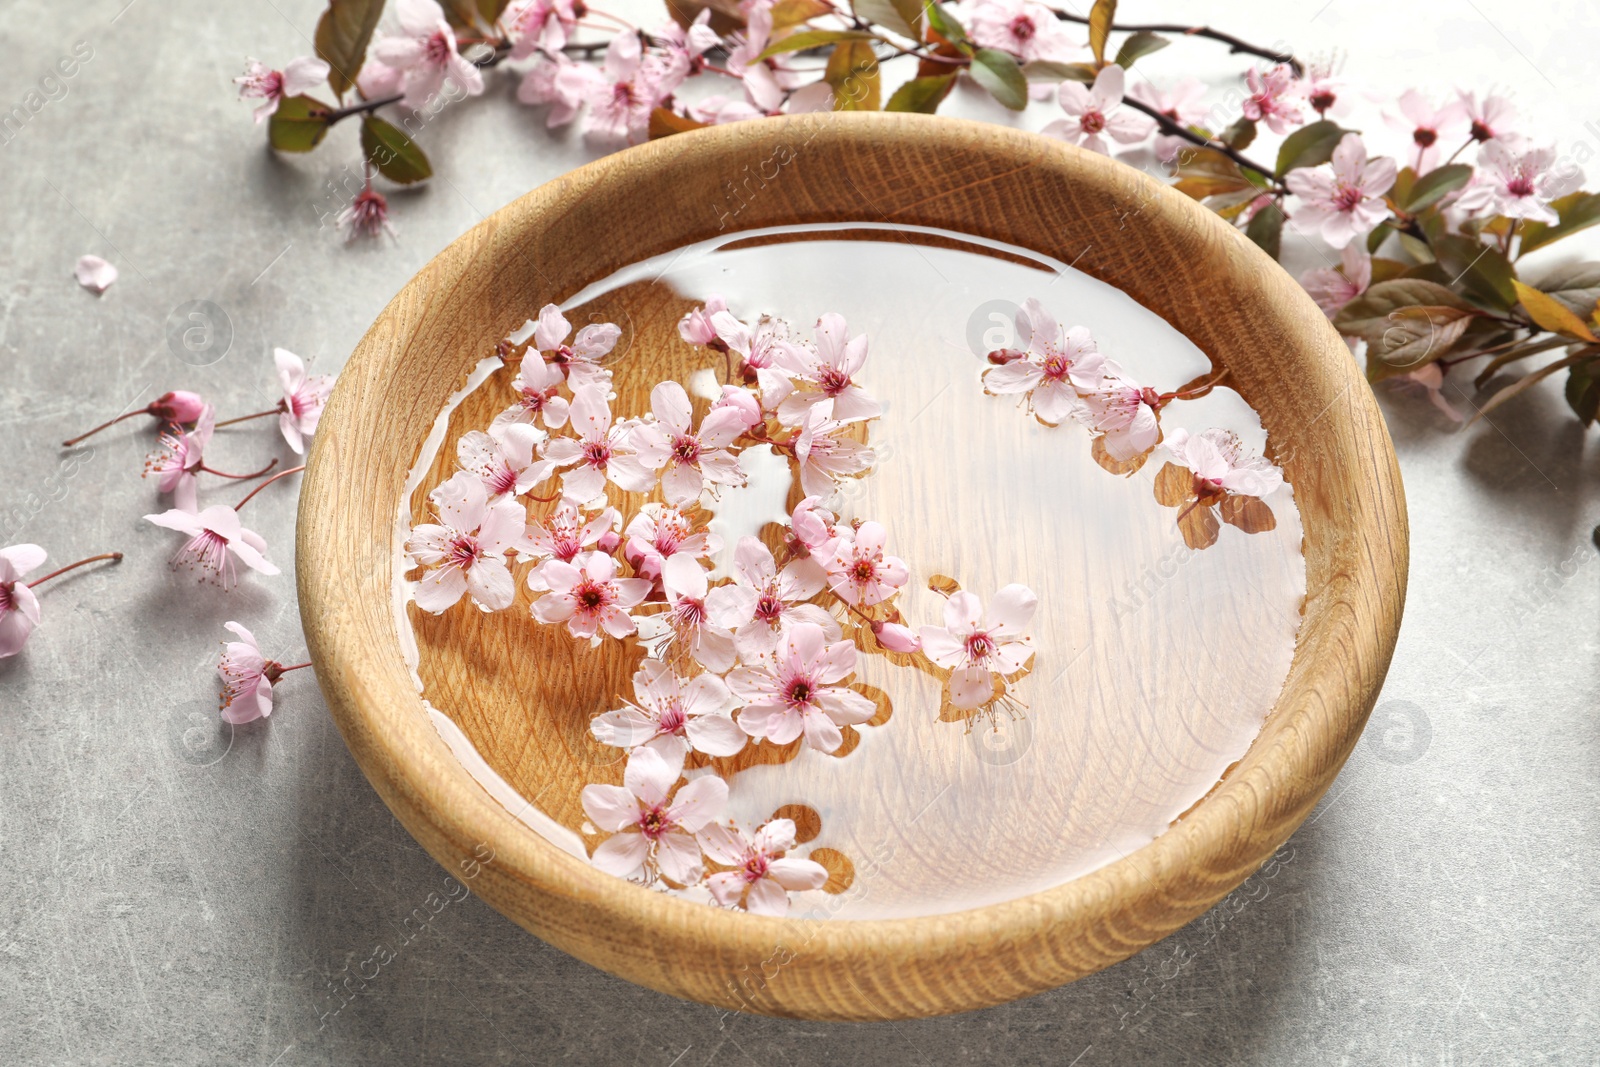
[(169, 894)]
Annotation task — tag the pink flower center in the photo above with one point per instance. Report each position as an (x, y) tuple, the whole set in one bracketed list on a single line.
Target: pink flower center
[(1480, 132), (769, 608), (1022, 28), (980, 646), (463, 551), (755, 866), (669, 536), (672, 717), (1425, 137), (622, 95), (833, 381), (1056, 366), (799, 693), (1348, 197), (1520, 185), (503, 481), (1092, 122), (592, 596), (437, 51), (1322, 101), (597, 453), (686, 449), (690, 613), (534, 400), (207, 550), (864, 572), (8, 597), (654, 823)]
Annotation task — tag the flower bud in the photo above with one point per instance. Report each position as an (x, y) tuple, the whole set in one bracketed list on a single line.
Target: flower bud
[(896, 638), (179, 406), (608, 542), (744, 402)]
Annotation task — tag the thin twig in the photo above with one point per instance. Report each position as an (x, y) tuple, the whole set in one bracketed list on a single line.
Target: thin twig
[(1170, 127), (1234, 44)]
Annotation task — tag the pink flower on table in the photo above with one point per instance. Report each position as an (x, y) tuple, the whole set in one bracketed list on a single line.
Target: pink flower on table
[(587, 595), (537, 386), (19, 608), (564, 537), (976, 645), (1056, 366), (762, 877), (1492, 118), (860, 573), (1334, 287), (425, 50), (181, 455), (661, 531), (465, 551), (673, 716), (94, 274), (826, 374), (619, 107), (764, 604), (1427, 126), (271, 86), (504, 458), (1127, 414), (367, 215), (1348, 202), (1093, 111), (1429, 381), (1517, 181), (247, 678), (794, 692), (303, 398), (1274, 98), (696, 326), (216, 539), (687, 460), (600, 452), (177, 406), (559, 81), (539, 25), (1025, 29), (578, 362), (689, 616), (815, 528), (825, 455), (1325, 92), (651, 835), (1181, 103), (1217, 460)]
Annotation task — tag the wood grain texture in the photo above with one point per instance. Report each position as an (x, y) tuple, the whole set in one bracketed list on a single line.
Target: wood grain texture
[(1168, 253)]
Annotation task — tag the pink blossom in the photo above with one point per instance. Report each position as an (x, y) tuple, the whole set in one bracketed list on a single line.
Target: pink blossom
[(579, 361), (1274, 98), (762, 877), (673, 715), (1348, 202), (247, 678), (181, 455), (367, 215), (975, 645), (715, 110), (271, 86), (689, 45), (566, 535), (540, 25), (619, 107), (696, 326), (1334, 287), (689, 617), (795, 693), (378, 80), (1219, 463), (1025, 29), (1181, 103), (743, 403), (94, 274), (600, 452), (1517, 181), (1125, 413), (815, 527), (537, 386), (303, 398), (1325, 92), (895, 637), (504, 458), (825, 455), (765, 604), (760, 349), (562, 82), (765, 80), (1055, 367), (649, 835), (688, 459), (177, 406), (587, 595), (1492, 118), (860, 573), (425, 50), (216, 539), (1427, 125), (19, 608), (826, 374), (661, 531), (1096, 110), (1429, 381), (465, 551)]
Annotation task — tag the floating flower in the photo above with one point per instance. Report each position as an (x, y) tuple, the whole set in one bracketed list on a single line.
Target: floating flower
[(538, 389), (1181, 104), (465, 551), (815, 527), (247, 677), (760, 350), (1096, 110), (1492, 118), (860, 573), (1518, 182), (425, 51), (587, 595), (1427, 125), (261, 82), (649, 835), (826, 455), (504, 458), (765, 604), (1212, 470), (977, 645), (1126, 413), (216, 539), (826, 374), (1274, 98), (578, 362), (762, 876), (743, 403), (1347, 203), (600, 452), (94, 274), (673, 716), (1056, 366), (689, 617), (896, 638), (687, 459), (565, 535), (19, 608), (697, 328), (660, 532), (303, 398), (794, 693), (1334, 287), (1028, 30)]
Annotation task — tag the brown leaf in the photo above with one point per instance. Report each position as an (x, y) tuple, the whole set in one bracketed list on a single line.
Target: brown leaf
[(1248, 513), (725, 14), (1174, 486), (664, 123)]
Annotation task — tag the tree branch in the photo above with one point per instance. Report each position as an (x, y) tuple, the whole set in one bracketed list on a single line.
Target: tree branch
[(1234, 44)]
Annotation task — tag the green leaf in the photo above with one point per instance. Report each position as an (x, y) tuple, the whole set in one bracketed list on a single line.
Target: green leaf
[(1577, 211), (1433, 186), (921, 94), (1369, 311), (1583, 396), (343, 33), (1100, 18), (491, 10), (853, 72), (1483, 269), (1050, 70), (1376, 237), (1310, 146), (896, 16), (1412, 337), (396, 156), (1550, 313), (1139, 45), (804, 39), (944, 24), (997, 72), (1240, 135), (1576, 285), (299, 124), (1266, 229), (1417, 248)]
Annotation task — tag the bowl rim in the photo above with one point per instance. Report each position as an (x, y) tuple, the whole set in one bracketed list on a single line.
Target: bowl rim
[(987, 954)]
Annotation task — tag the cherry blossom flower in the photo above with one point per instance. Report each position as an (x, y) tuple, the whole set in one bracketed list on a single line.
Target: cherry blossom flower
[(689, 617), (765, 604), (504, 458), (587, 595), (566, 535), (1181, 103), (1025, 29), (1517, 181), (1427, 125), (815, 528), (271, 86), (1274, 98), (1348, 202), (896, 638), (1125, 413), (1334, 287), (696, 327), (600, 452), (303, 398), (794, 693), (1096, 110), (742, 402), (378, 80), (540, 26), (579, 361), (425, 50), (976, 645), (465, 551), (1056, 366), (537, 386), (825, 455), (619, 107), (19, 608), (860, 573), (659, 532), (687, 459), (1429, 381), (1220, 464), (562, 82), (1324, 91), (216, 538), (94, 274), (765, 80), (247, 677), (1492, 118), (826, 374), (673, 715), (716, 110), (688, 45), (367, 215), (649, 835), (762, 877), (181, 455), (760, 351)]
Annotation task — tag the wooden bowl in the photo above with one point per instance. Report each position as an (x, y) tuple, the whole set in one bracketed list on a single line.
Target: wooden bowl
[(1164, 250)]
